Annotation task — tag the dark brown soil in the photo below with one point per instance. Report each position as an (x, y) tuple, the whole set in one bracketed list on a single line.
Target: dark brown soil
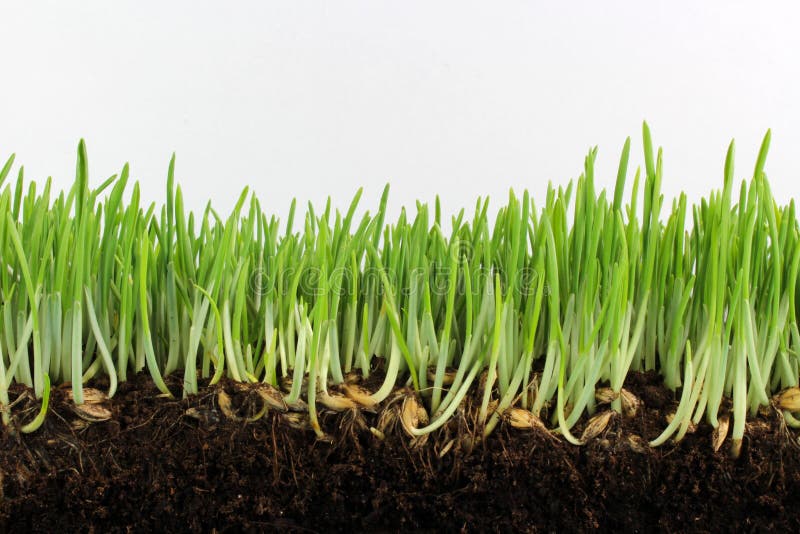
[(153, 466)]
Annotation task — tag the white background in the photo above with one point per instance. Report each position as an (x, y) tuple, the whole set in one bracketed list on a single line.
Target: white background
[(461, 99)]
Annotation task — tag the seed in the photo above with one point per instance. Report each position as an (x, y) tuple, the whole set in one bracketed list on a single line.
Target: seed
[(412, 414), (224, 403), (689, 430), (94, 413), (720, 433), (271, 396), (637, 444), (597, 424), (524, 419), (788, 399), (630, 403), (359, 394), (422, 414), (207, 417), (226, 406), (297, 406), (446, 448), (605, 395), (336, 401), (90, 396), (352, 378), (386, 418), (78, 424), (449, 376), (520, 418), (296, 420), (468, 443)]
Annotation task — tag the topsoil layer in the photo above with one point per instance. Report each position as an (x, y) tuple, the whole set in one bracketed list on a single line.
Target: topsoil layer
[(181, 465)]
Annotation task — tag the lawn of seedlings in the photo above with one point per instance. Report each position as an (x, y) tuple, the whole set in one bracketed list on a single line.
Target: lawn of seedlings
[(581, 360), (585, 359), (533, 319)]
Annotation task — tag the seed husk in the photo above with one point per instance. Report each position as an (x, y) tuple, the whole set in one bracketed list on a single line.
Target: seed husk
[(630, 403), (205, 416), (422, 414), (352, 378), (297, 420), (225, 405), (94, 413), (596, 425), (386, 418), (297, 406), (79, 424), (788, 399), (449, 376), (90, 396), (412, 414), (691, 429), (359, 394), (336, 401), (272, 397), (637, 444), (446, 448), (720, 433), (605, 395), (524, 419)]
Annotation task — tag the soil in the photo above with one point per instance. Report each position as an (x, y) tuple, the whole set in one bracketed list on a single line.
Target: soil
[(181, 465)]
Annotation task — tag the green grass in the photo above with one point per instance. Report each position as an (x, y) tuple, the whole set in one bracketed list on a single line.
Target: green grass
[(540, 309)]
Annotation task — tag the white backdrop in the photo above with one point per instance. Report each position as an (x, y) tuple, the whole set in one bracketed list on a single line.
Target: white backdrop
[(462, 99)]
